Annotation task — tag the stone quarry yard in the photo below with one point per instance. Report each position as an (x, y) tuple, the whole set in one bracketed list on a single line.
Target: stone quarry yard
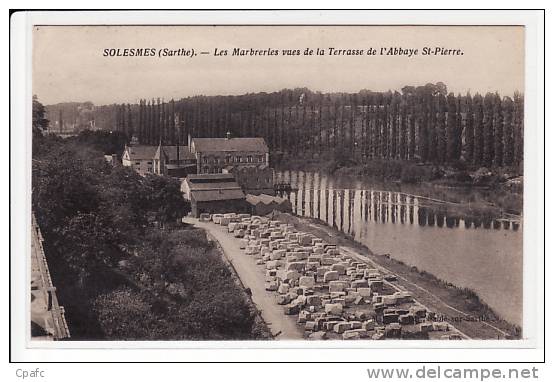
[(475, 320), (307, 286)]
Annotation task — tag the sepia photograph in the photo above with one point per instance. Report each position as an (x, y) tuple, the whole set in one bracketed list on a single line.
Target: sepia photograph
[(277, 182)]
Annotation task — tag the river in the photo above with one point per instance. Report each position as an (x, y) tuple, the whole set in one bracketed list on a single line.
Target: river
[(449, 240)]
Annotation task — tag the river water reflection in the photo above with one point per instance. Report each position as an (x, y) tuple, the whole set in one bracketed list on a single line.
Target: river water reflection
[(478, 252)]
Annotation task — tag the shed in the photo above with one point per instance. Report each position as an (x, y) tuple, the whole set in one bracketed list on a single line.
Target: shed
[(265, 204), (213, 193)]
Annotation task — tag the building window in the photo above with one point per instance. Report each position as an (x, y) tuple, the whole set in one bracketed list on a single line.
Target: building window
[(137, 163), (228, 159), (206, 169), (148, 162), (205, 160), (216, 160), (238, 159), (249, 158), (260, 158)]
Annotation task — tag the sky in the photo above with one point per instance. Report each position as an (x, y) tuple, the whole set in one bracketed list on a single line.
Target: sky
[(69, 62)]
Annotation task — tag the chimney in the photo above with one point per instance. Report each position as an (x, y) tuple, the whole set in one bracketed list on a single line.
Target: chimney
[(228, 135)]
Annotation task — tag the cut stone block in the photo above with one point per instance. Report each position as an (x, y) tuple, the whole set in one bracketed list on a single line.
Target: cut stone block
[(313, 300), (283, 288), (328, 260), (330, 276), (368, 325), (306, 282), (291, 309), (283, 299), (336, 285), (296, 266), (319, 335), (389, 300), (341, 327), (351, 335), (271, 286), (359, 284), (311, 326), (292, 275), (340, 268), (364, 292), (356, 324), (393, 330), (303, 316), (390, 318), (334, 309), (406, 319)]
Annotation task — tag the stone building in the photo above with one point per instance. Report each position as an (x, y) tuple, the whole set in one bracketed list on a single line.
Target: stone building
[(140, 158), (215, 154), (246, 158)]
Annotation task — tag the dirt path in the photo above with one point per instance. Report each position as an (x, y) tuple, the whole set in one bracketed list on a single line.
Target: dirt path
[(282, 327)]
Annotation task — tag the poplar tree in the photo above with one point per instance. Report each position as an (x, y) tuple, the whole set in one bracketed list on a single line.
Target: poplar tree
[(432, 131), (498, 129), (509, 149), (478, 116), (441, 128), (468, 130), (459, 128), (451, 143), (320, 126), (395, 102), (130, 125), (403, 128), (172, 126), (281, 130), (385, 137), (412, 129), (335, 131), (423, 136), (518, 127), (488, 134)]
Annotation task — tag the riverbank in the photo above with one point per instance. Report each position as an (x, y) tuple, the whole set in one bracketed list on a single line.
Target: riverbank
[(500, 190), (462, 307)]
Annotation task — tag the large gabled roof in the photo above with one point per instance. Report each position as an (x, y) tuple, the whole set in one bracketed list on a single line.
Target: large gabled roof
[(203, 178), (211, 187), (171, 152), (141, 152), (219, 194), (229, 144)]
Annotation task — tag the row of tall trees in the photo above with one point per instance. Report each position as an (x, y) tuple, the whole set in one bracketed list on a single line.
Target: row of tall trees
[(424, 123)]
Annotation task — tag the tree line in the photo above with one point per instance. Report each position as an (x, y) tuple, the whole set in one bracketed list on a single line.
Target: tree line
[(424, 123)]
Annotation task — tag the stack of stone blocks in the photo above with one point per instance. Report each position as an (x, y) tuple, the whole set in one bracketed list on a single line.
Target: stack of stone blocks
[(333, 295)]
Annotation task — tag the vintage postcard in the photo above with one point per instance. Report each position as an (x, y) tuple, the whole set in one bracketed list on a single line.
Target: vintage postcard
[(264, 182)]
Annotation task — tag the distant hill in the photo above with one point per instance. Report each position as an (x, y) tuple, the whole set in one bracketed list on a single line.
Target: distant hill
[(75, 116)]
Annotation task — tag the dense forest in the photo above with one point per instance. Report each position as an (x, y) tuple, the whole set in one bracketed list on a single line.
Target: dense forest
[(424, 123)]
